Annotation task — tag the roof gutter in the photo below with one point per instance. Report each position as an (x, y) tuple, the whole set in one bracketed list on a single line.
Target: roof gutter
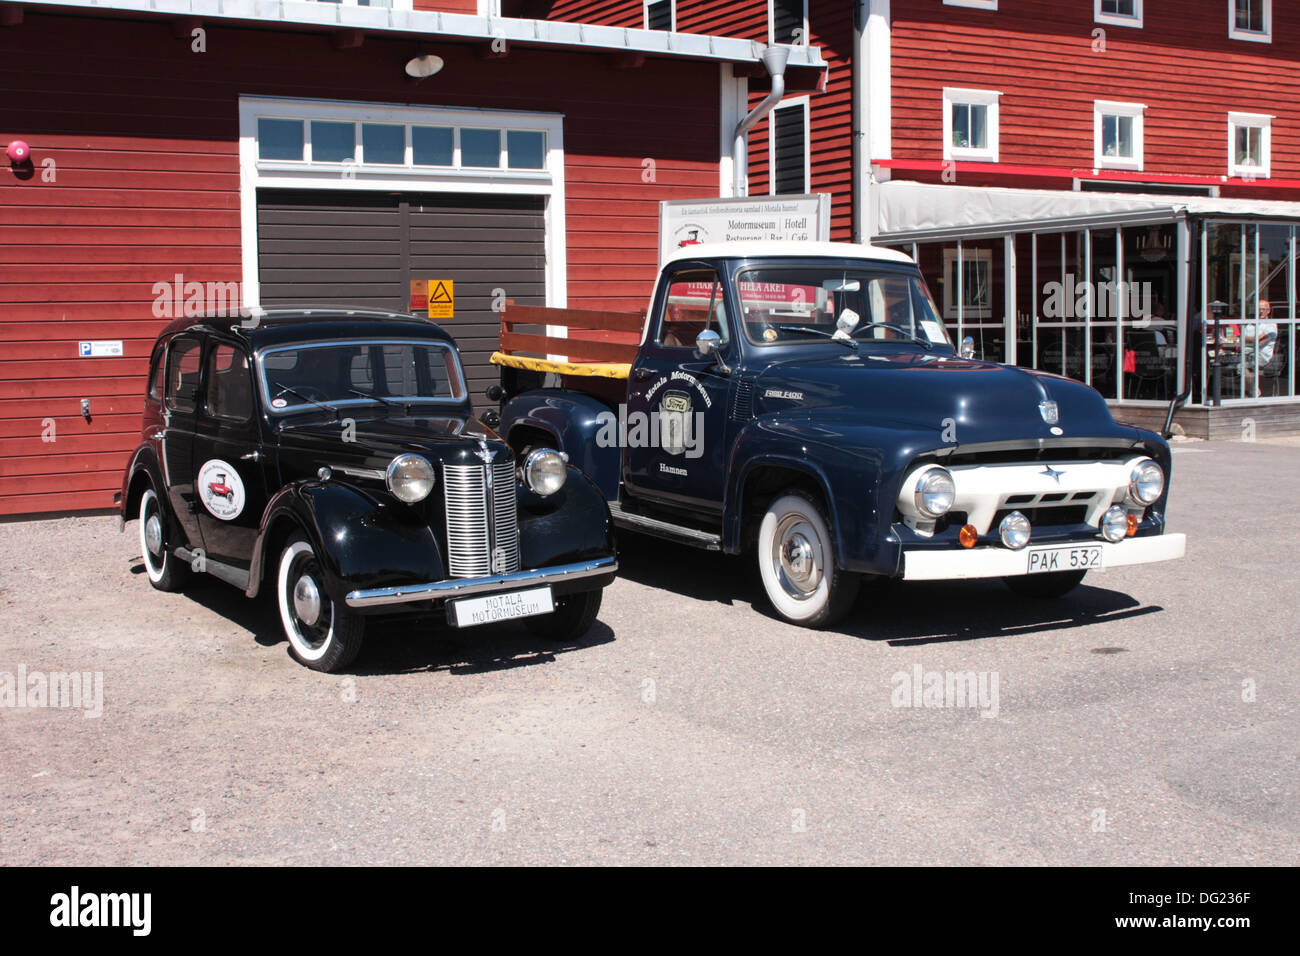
[(775, 58)]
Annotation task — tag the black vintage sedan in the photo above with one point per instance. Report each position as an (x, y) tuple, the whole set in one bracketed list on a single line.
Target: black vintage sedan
[(332, 456)]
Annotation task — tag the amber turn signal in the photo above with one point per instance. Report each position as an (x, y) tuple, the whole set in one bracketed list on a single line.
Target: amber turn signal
[(968, 536), (1132, 526)]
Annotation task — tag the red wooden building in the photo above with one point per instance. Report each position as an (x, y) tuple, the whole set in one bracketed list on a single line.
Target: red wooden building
[(1141, 149), (191, 155)]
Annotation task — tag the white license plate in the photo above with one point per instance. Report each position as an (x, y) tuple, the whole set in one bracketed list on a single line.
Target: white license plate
[(1069, 558), (469, 612)]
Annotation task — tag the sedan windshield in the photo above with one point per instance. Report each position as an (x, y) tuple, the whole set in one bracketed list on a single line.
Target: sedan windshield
[(297, 377), (787, 304)]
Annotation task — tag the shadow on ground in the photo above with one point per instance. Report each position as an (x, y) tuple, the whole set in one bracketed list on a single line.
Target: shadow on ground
[(398, 644), (922, 612)]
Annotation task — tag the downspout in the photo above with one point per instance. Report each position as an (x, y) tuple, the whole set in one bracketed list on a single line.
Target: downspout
[(859, 134), (774, 58)]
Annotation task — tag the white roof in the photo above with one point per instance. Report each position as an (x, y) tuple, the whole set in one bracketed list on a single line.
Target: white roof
[(788, 249), (929, 210)]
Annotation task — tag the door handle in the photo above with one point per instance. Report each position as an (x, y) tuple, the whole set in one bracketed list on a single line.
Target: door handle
[(251, 456), (641, 373)]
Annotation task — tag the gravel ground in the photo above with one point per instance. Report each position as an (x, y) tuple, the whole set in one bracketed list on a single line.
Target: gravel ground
[(1150, 718)]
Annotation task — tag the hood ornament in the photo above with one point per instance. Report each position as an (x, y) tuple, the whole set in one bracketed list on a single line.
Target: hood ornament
[(1052, 474), (485, 453), (1051, 414)]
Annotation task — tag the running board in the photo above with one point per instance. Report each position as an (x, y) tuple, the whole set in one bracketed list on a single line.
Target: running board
[(217, 569), (665, 529)]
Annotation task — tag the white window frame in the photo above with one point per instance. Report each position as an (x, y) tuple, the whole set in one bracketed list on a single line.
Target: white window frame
[(1137, 112), (976, 4), (1264, 123), (672, 14), (771, 23), (1254, 36), (974, 313), (954, 96), (255, 173), (794, 101), (1118, 19)]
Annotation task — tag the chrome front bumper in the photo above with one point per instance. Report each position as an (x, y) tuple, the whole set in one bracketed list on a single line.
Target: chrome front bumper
[(992, 561), (463, 587)]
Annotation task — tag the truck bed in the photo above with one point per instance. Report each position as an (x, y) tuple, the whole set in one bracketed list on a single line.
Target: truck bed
[(598, 344)]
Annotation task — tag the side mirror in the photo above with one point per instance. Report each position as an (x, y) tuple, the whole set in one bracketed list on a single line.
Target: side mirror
[(968, 347), (709, 343)]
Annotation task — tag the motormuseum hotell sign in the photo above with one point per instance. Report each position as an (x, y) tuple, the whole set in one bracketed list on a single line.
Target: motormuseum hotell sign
[(701, 221)]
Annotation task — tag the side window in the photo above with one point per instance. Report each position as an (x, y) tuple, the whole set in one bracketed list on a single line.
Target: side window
[(156, 372), (694, 302), (183, 374), (230, 390)]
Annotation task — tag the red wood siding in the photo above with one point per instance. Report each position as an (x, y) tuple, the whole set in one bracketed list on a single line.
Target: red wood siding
[(447, 6), (144, 137), (613, 13), (1038, 53)]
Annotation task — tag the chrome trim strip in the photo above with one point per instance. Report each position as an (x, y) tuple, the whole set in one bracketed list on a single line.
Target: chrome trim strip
[(376, 473), (462, 587)]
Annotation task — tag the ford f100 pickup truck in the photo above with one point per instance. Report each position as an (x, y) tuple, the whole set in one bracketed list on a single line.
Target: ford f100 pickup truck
[(804, 402)]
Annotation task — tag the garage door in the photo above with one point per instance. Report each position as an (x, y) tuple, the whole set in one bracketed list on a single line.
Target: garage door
[(358, 248)]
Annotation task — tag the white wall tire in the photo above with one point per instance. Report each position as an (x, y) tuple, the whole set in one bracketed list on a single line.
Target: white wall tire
[(796, 561), (165, 571), (322, 634)]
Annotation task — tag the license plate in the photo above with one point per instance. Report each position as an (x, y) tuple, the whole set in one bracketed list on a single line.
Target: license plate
[(1077, 558), (469, 612)]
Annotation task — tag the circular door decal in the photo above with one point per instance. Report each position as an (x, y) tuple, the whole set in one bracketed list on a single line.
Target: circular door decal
[(221, 490)]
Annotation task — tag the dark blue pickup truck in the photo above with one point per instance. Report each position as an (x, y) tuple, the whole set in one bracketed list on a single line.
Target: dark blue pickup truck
[(804, 403)]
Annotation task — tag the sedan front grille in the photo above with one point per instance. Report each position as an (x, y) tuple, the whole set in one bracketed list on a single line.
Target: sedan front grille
[(482, 519)]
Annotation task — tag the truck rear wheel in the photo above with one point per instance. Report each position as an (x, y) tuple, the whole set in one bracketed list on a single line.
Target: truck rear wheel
[(796, 560)]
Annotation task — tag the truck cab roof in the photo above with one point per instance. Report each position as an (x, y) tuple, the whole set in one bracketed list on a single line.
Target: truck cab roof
[(788, 249)]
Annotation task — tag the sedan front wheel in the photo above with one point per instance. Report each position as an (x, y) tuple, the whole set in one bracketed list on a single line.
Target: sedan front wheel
[(323, 634)]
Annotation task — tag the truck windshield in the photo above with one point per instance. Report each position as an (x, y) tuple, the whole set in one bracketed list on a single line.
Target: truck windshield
[(296, 377), (801, 303)]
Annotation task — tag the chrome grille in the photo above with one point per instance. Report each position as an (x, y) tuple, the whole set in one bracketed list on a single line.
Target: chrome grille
[(475, 530)]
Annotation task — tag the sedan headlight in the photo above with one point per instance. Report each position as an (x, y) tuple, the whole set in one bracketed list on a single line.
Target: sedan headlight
[(545, 471), (410, 478), (1146, 483), (935, 493)]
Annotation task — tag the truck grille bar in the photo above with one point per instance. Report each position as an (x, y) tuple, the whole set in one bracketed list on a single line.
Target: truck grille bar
[(482, 519)]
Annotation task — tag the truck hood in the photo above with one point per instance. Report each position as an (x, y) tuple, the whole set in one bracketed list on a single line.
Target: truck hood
[(980, 401)]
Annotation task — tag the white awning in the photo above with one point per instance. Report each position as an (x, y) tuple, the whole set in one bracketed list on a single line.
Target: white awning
[(924, 211)]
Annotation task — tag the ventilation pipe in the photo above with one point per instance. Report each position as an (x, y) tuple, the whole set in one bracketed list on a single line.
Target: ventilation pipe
[(774, 58)]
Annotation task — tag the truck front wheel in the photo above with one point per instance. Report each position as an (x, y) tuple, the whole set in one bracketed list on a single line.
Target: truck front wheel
[(796, 560)]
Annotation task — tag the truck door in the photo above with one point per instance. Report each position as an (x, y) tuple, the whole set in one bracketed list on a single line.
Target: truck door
[(674, 429), (229, 483)]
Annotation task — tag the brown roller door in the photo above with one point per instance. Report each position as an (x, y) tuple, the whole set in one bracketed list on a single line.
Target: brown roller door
[(358, 248)]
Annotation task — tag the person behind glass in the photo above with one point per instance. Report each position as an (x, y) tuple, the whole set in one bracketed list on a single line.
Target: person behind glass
[(1258, 343)]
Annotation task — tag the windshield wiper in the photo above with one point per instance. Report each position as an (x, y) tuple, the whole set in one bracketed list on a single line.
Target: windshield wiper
[(845, 340), (900, 330), (379, 398), (305, 398)]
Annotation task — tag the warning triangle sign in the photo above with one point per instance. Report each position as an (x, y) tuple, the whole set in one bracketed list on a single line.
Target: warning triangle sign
[(440, 293)]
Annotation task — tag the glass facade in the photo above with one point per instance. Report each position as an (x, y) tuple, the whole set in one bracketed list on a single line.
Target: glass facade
[(1102, 306)]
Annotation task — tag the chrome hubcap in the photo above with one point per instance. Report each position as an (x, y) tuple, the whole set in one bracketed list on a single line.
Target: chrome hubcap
[(797, 552), (153, 534), (306, 600)]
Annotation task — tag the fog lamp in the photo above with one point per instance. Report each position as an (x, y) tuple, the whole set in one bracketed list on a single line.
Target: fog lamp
[(1014, 530), (968, 536), (1114, 524)]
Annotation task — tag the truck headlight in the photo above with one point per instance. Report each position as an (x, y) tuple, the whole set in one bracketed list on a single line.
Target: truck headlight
[(545, 471), (1146, 483), (410, 478), (935, 493)]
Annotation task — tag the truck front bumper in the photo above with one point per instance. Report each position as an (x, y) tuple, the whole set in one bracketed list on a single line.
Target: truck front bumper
[(464, 587), (995, 562)]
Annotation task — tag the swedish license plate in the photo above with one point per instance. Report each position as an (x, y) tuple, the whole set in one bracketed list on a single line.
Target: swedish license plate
[(469, 612), (1077, 558)]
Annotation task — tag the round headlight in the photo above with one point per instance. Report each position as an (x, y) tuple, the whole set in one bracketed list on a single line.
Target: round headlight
[(1014, 530), (410, 478), (1147, 482), (1114, 524), (935, 493), (545, 471)]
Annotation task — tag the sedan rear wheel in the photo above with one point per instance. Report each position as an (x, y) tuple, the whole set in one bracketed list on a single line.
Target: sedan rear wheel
[(323, 634), (166, 572)]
